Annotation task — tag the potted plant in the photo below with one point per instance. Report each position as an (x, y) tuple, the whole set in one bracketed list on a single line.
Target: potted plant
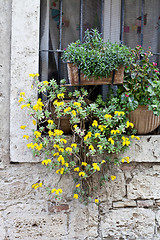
[(98, 62), (141, 91)]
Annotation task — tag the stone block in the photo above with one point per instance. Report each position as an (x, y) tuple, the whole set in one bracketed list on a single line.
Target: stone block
[(145, 184), (58, 208), (145, 150), (128, 224), (2, 228), (145, 203), (40, 227), (126, 203), (83, 221)]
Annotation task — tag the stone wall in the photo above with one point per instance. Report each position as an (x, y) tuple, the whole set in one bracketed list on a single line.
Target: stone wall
[(129, 207)]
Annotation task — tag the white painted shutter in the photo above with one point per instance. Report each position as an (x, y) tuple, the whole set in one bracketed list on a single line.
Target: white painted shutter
[(112, 17), (44, 38)]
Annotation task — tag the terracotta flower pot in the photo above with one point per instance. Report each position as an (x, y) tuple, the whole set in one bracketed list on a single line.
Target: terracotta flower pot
[(74, 78), (144, 120)]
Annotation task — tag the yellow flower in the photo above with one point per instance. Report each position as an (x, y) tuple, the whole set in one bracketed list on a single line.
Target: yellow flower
[(137, 138), (101, 127), (76, 169), (37, 185), (59, 104), (46, 161), (45, 83), (22, 94), (61, 170), (73, 112), (57, 132), (82, 174), (75, 126), (111, 140), (53, 190), (26, 136), (38, 105), (63, 162), (37, 134), (50, 133), (57, 191), (34, 122), (96, 201), (129, 125), (113, 178), (95, 166), (56, 146), (99, 146), (30, 145), (115, 131), (67, 109), (39, 147), (91, 147), (73, 145), (66, 164), (75, 196), (68, 149), (60, 190), (103, 161), (23, 126), (34, 75), (50, 122), (95, 123), (97, 134), (78, 185), (84, 164), (60, 158), (21, 99), (125, 159), (28, 105), (56, 154), (60, 95), (23, 106), (108, 116), (60, 149), (58, 171), (63, 140), (77, 104), (125, 141), (119, 113)]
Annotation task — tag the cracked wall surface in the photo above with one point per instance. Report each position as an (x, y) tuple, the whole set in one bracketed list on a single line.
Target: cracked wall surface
[(129, 207)]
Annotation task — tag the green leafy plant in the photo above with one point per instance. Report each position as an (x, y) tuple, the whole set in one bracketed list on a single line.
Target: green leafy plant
[(98, 129), (94, 57), (141, 83)]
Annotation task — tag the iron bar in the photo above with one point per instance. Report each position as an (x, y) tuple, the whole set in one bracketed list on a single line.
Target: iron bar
[(58, 50), (60, 39), (81, 21), (122, 22), (142, 21), (102, 17), (80, 32)]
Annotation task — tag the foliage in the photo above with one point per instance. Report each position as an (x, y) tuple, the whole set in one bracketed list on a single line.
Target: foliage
[(141, 83), (98, 129), (94, 57)]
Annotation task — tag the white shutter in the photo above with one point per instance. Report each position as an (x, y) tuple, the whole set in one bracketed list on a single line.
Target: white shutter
[(112, 17), (44, 38)]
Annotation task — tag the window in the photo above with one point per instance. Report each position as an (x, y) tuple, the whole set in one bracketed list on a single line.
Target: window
[(63, 21)]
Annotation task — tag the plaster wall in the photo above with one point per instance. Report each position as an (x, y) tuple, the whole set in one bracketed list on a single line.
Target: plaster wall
[(129, 207)]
